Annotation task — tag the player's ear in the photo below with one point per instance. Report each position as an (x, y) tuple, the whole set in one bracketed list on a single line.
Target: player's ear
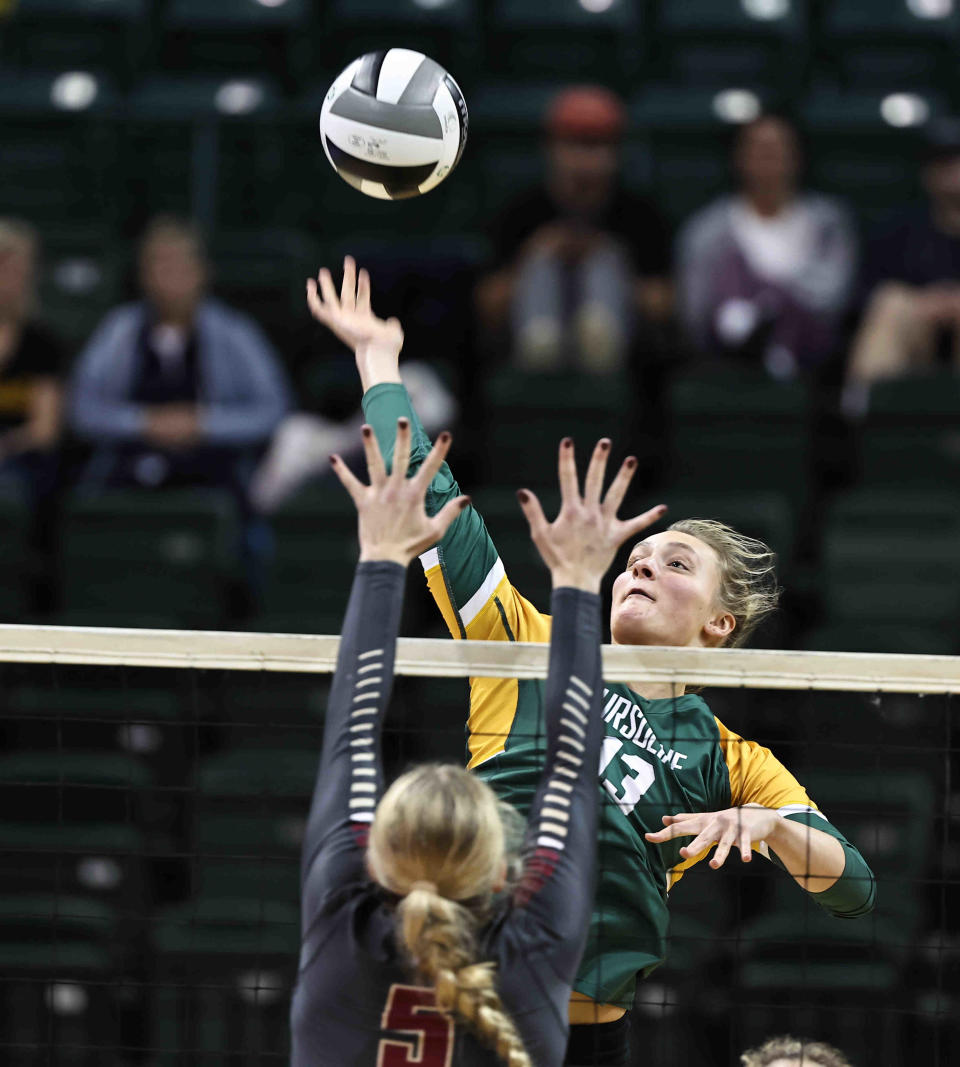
[(720, 627), (501, 879)]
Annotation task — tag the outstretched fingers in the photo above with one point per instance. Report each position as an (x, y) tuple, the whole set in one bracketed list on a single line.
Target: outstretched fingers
[(434, 461), (567, 472), (348, 479), (593, 485), (348, 290), (375, 465), (619, 486), (443, 519), (631, 527), (316, 305), (533, 511), (327, 290), (363, 291), (401, 450)]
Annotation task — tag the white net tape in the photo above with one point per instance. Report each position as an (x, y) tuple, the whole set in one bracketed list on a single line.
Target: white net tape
[(442, 657)]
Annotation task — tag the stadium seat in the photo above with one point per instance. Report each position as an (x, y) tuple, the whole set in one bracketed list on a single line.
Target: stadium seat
[(729, 42), (138, 722), (909, 435), (858, 635), (448, 31), (241, 36), (565, 40), (58, 158), (585, 407), (171, 554), (81, 34), (185, 136), (890, 43), (743, 432), (100, 861), (15, 561), (857, 152), (223, 975), (257, 780), (247, 856)]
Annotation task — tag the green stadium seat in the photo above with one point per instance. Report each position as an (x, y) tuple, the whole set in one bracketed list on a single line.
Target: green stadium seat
[(247, 856), (224, 970), (585, 407), (447, 31), (101, 861), (891, 43), (59, 163), (566, 41), (138, 722), (130, 553), (852, 635), (258, 780), (729, 42), (862, 582), (77, 34), (75, 787), (741, 432), (309, 578), (909, 436), (240, 36), (15, 560)]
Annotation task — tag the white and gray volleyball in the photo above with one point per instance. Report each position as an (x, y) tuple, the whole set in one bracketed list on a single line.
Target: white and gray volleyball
[(394, 124)]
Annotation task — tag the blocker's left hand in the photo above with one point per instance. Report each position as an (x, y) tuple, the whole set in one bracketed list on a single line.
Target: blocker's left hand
[(740, 827)]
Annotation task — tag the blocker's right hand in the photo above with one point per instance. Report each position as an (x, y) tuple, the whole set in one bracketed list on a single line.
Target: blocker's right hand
[(376, 342), (580, 544), (393, 522)]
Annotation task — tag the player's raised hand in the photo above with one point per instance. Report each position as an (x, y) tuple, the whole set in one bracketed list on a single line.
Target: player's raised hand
[(393, 522), (376, 342), (580, 544)]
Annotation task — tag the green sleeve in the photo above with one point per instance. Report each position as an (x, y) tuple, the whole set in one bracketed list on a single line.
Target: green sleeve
[(854, 893), (469, 565)]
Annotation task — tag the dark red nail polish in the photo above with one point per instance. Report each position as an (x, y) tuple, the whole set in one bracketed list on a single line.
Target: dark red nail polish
[(523, 496), (567, 442), (445, 436), (631, 462)]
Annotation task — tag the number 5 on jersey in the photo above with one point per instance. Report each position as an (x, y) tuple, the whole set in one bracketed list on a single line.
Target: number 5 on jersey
[(427, 1039)]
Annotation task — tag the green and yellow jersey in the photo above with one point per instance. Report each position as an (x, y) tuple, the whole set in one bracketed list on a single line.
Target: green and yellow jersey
[(658, 757)]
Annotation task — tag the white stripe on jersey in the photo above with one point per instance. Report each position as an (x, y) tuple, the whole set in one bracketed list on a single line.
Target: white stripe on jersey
[(800, 809), (474, 605)]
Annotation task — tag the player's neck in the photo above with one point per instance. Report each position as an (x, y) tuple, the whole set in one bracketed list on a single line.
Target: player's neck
[(657, 690)]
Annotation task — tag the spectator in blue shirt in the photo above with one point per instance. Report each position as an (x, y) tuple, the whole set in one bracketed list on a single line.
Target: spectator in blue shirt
[(175, 389)]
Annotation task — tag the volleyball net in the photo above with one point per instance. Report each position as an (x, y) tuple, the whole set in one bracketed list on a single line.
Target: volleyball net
[(155, 786)]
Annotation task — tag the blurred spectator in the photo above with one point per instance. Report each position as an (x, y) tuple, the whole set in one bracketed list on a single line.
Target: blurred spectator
[(911, 281), (578, 260), (301, 447), (793, 1052), (177, 389), (765, 274), (31, 369)]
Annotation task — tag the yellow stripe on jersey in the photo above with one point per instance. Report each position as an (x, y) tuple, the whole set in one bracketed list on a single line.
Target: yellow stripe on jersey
[(496, 611), (758, 777)]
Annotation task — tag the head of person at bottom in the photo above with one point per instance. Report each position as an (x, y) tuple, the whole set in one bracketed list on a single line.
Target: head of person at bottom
[(437, 841), (173, 269), (699, 583), (794, 1052), (19, 252), (584, 128)]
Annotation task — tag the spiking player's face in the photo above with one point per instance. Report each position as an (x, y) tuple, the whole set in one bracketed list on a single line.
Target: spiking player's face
[(667, 594)]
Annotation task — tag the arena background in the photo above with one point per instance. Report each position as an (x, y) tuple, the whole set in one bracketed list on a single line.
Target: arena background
[(127, 792)]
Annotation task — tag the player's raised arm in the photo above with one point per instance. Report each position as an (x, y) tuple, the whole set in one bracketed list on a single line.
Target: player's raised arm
[(464, 572), (393, 529), (578, 547)]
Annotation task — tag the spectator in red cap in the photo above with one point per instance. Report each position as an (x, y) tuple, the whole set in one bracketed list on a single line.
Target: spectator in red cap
[(579, 262)]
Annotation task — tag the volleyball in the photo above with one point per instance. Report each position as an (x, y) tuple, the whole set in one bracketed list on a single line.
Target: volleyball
[(393, 124)]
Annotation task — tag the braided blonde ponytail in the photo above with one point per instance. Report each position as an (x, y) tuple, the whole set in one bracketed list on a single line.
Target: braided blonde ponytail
[(437, 838), (439, 936)]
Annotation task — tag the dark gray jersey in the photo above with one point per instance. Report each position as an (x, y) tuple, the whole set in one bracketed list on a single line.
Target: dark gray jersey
[(356, 1003)]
